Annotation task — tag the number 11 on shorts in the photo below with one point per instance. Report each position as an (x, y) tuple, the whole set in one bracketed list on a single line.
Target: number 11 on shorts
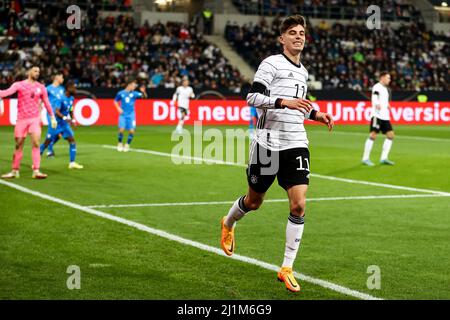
[(300, 159)]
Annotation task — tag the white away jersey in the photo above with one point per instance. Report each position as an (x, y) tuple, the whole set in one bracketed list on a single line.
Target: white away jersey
[(380, 96), (182, 95), (280, 129)]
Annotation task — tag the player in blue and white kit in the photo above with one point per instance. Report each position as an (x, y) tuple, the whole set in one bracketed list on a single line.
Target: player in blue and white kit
[(55, 94), (64, 117), (127, 115)]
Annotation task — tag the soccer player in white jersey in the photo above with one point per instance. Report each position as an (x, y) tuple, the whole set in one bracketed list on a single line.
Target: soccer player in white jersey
[(380, 120), (182, 95), (280, 147)]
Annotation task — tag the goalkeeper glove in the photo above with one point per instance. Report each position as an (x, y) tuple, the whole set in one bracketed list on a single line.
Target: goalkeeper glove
[(54, 124)]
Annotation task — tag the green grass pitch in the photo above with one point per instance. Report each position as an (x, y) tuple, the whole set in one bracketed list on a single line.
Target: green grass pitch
[(407, 238)]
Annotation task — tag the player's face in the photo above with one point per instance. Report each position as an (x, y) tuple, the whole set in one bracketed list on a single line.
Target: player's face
[(386, 79), (294, 39), (34, 73), (59, 78), (132, 86), (185, 83), (71, 90)]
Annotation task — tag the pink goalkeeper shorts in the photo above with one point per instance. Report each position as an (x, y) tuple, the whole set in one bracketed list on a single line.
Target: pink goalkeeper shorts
[(27, 126)]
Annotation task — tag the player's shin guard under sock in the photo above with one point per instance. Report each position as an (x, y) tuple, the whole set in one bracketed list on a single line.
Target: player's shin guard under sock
[(120, 137), (237, 211), (72, 151), (36, 156), (294, 232), (17, 158), (386, 148), (367, 149), (130, 138)]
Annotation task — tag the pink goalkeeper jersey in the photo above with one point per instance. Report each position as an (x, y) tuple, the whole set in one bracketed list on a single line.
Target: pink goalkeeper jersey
[(29, 95)]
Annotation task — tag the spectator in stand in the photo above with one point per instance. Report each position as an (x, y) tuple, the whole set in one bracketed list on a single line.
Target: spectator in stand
[(347, 56), (109, 50)]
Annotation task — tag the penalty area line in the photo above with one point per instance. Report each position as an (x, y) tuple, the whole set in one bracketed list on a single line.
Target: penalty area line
[(205, 203), (163, 234)]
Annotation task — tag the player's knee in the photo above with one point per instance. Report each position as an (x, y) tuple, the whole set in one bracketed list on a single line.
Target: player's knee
[(373, 135), (298, 207), (19, 144), (391, 135)]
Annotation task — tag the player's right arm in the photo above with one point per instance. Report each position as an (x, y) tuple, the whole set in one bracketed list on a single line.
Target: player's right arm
[(10, 91), (116, 104), (175, 95), (376, 97), (257, 98), (58, 113)]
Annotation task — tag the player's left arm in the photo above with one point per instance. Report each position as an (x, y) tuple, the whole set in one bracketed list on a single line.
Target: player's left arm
[(322, 117), (2, 109), (73, 122)]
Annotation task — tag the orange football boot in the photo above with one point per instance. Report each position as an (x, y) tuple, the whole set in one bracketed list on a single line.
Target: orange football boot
[(227, 241), (287, 276)]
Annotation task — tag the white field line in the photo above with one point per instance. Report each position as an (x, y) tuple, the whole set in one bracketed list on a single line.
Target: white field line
[(212, 161), (203, 203), (397, 136), (195, 244)]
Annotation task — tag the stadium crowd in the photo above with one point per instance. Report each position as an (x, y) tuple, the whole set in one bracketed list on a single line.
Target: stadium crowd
[(111, 49), (351, 56), (391, 10)]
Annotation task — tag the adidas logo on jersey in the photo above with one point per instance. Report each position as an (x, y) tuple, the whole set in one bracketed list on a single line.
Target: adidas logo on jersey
[(290, 75)]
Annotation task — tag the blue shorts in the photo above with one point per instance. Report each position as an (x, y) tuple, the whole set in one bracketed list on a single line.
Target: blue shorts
[(127, 122), (64, 129)]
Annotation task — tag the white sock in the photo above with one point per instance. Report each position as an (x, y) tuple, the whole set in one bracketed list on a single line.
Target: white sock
[(386, 148), (367, 149), (180, 124), (294, 232), (237, 211)]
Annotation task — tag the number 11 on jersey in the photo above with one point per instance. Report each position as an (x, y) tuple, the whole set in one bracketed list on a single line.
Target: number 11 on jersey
[(296, 93), (300, 159)]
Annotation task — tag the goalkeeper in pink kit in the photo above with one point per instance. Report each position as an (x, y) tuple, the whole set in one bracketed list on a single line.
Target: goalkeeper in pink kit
[(30, 93)]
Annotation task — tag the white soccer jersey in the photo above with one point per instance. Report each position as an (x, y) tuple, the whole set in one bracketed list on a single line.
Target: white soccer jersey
[(280, 129), (182, 95), (380, 96)]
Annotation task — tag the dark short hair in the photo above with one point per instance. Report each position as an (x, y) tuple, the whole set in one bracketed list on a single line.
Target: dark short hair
[(70, 85), (383, 73), (292, 21), (58, 73), (130, 80)]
